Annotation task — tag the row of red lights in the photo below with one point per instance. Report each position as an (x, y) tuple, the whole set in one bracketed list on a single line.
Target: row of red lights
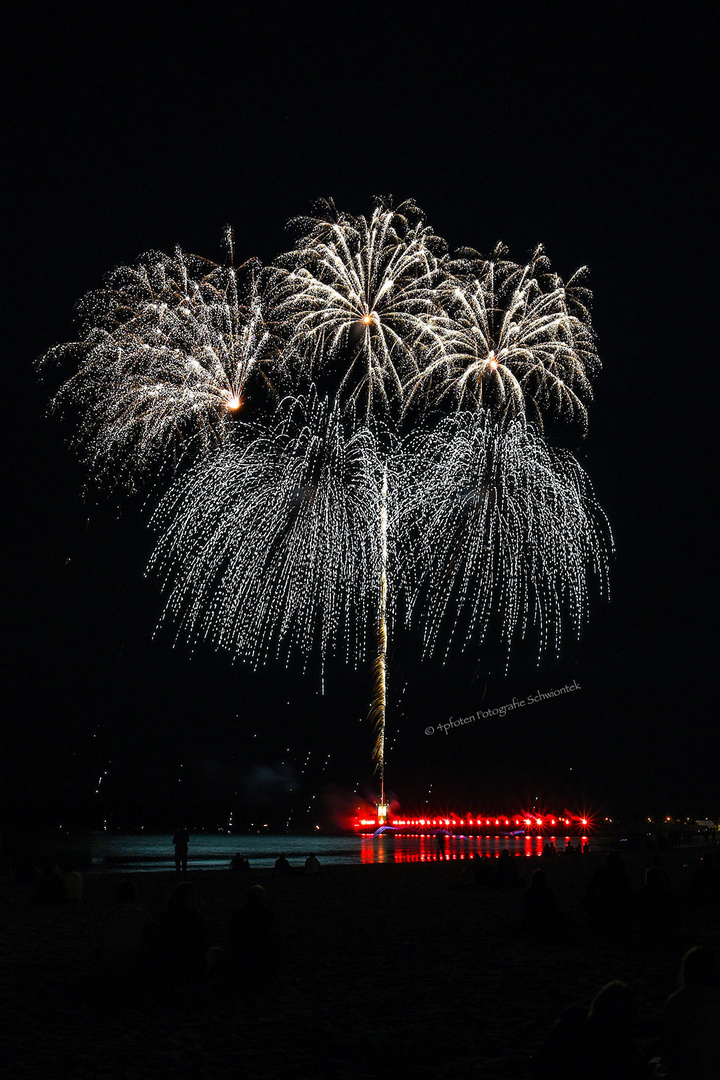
[(527, 821)]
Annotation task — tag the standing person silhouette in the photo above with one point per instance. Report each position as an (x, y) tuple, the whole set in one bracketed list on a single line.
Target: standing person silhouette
[(180, 840)]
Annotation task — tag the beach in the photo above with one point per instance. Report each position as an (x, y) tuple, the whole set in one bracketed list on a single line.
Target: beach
[(374, 967)]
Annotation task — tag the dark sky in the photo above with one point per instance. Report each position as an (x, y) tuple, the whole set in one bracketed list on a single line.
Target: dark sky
[(584, 127)]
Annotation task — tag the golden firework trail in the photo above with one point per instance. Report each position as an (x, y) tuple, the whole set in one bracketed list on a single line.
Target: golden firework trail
[(379, 702)]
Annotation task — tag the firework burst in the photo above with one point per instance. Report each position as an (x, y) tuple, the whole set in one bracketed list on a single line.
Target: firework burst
[(362, 294), (310, 529), (168, 350), (515, 340)]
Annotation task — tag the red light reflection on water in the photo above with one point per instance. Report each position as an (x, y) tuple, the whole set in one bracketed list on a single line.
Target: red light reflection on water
[(394, 848)]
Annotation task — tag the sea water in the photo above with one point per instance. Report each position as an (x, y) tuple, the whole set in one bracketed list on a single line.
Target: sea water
[(121, 852)]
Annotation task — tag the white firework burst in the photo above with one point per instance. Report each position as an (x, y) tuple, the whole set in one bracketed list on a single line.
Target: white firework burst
[(360, 295), (515, 340), (168, 350)]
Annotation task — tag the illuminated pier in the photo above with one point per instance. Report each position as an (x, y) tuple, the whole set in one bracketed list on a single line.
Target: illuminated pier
[(367, 822)]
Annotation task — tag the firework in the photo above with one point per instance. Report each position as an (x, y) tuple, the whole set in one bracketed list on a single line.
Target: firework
[(515, 340), (310, 529), (272, 545), (361, 296), (168, 350), (505, 530), (379, 703)]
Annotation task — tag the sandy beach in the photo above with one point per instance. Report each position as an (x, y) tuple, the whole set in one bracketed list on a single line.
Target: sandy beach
[(377, 967)]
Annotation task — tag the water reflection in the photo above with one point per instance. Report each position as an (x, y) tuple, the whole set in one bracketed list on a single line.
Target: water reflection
[(390, 847), (121, 852)]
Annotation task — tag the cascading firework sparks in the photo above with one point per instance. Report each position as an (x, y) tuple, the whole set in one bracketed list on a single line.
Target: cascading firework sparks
[(503, 528), (272, 545), (395, 459)]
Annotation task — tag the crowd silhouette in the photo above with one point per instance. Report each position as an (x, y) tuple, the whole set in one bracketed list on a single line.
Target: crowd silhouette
[(179, 949)]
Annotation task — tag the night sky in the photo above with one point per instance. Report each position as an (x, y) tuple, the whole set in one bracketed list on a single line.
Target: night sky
[(585, 127)]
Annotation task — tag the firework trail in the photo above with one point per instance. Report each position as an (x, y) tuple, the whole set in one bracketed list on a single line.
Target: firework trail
[(168, 348), (505, 530), (379, 701), (515, 340), (362, 295)]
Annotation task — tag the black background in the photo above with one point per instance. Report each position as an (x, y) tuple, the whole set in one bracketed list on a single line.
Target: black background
[(585, 127)]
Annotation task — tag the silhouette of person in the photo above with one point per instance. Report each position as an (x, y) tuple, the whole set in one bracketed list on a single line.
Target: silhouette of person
[(184, 934), (180, 840), (706, 877), (691, 1020), (607, 896), (74, 885), (659, 914), (239, 862), (6, 860), (253, 917), (282, 867), (611, 1023), (468, 877), (485, 870), (312, 865), (539, 907), (507, 876), (563, 1055), (50, 887), (594, 1045), (125, 935), (249, 931)]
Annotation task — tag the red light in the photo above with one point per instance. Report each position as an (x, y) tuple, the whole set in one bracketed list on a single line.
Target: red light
[(536, 823)]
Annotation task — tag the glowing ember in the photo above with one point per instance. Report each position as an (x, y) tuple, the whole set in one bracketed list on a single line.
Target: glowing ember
[(367, 319), (233, 403)]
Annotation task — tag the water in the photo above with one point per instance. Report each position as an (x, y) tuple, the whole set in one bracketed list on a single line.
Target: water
[(120, 852)]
